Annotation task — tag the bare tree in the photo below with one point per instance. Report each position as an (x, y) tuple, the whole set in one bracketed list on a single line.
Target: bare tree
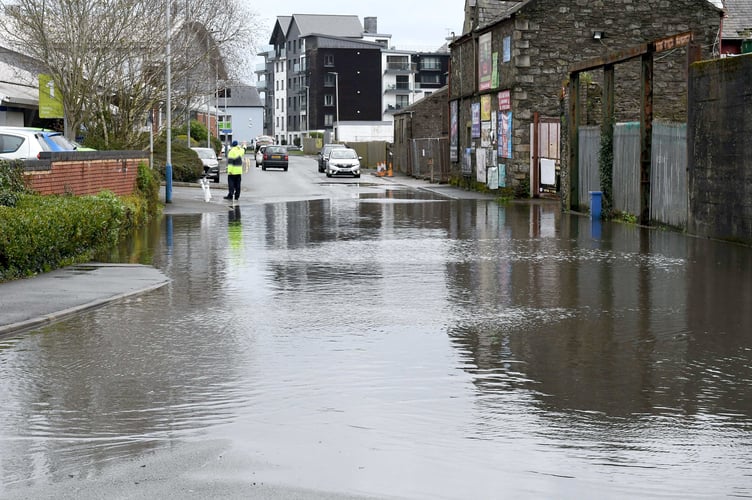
[(107, 57)]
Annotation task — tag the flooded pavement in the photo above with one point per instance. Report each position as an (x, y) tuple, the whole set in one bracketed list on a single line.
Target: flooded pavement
[(390, 343)]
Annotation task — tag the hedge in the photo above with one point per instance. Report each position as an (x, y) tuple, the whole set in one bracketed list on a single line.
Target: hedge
[(42, 233)]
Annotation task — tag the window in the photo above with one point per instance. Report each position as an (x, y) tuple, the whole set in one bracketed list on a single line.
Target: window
[(430, 63), (328, 100), (403, 82), (328, 60), (431, 78), (403, 101), (329, 80), (328, 120), (10, 143)]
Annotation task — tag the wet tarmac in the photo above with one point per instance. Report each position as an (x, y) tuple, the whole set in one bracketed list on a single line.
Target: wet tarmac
[(389, 341)]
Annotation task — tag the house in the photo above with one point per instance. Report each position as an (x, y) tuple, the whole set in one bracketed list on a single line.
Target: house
[(509, 73), (421, 133), (240, 114), (736, 35)]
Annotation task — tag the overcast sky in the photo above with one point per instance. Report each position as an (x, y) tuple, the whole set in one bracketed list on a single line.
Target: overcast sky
[(413, 24)]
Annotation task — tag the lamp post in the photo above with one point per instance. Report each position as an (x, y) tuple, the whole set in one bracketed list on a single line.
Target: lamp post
[(336, 103), (168, 77), (307, 108)]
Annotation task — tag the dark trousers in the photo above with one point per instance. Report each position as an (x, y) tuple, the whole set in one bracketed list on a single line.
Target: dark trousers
[(233, 182)]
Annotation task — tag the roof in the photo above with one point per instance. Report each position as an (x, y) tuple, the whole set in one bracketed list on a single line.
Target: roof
[(738, 20), (440, 93), (244, 96), (490, 12), (335, 25)]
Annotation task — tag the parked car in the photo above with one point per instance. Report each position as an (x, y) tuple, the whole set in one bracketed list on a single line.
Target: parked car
[(343, 161), (260, 155), (211, 163), (324, 154), (275, 157), (26, 143)]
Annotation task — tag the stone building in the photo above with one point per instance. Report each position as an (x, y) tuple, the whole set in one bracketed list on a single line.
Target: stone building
[(509, 71), (420, 138)]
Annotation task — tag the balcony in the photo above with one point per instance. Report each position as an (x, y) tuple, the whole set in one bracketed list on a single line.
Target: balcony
[(394, 108), (400, 68), (399, 88)]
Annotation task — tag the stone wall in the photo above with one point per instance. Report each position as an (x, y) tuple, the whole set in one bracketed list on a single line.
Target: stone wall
[(719, 134), (85, 172), (548, 36)]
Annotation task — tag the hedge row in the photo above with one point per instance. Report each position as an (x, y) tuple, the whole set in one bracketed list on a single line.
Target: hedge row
[(42, 233)]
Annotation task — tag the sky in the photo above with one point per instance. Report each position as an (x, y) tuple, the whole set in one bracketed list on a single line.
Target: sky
[(414, 24)]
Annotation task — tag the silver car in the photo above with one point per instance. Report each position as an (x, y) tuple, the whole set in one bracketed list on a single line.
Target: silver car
[(211, 164), (343, 161)]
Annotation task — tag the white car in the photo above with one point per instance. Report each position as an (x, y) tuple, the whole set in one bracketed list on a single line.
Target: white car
[(209, 159), (26, 143), (343, 161)]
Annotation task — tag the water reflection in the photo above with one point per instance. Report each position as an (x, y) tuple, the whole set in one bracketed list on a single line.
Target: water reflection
[(505, 347)]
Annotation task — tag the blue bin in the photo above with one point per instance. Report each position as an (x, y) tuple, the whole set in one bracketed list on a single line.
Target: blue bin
[(596, 203)]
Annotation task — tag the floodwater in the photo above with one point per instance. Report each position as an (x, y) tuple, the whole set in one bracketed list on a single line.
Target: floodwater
[(395, 344)]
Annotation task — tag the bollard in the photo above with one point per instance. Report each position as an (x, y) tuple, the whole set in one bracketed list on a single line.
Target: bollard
[(595, 204)]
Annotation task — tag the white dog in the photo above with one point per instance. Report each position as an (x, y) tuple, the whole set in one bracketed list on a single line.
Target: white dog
[(204, 181)]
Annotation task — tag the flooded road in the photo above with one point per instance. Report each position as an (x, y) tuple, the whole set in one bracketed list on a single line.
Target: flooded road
[(392, 343)]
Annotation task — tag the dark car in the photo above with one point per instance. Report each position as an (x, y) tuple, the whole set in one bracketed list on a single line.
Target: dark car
[(324, 154), (275, 157)]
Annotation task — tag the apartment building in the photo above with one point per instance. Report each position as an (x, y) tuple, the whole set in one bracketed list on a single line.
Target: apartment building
[(324, 71)]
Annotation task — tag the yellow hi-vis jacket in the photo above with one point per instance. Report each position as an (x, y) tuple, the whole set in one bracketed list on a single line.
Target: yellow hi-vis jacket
[(235, 160)]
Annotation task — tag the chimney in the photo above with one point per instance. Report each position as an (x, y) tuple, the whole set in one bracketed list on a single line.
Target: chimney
[(370, 25)]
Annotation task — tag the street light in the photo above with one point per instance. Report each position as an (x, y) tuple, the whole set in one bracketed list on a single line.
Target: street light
[(168, 160), (336, 93), (307, 107)]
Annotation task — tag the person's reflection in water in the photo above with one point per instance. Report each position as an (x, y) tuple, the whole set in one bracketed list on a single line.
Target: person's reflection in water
[(234, 231)]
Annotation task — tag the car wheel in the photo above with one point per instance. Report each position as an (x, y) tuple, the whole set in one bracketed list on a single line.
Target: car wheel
[(357, 176), (285, 169), (216, 180), (328, 174), (263, 167)]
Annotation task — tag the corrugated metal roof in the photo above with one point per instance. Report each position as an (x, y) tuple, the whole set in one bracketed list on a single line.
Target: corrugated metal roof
[(738, 21)]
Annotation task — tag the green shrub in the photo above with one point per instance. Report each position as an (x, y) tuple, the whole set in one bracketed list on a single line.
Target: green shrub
[(186, 165), (11, 182), (42, 233)]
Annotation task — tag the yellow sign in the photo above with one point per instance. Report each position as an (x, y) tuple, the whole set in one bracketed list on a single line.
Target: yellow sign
[(50, 99)]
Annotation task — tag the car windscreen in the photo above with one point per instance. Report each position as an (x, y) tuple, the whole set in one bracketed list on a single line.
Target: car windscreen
[(343, 154), (206, 154)]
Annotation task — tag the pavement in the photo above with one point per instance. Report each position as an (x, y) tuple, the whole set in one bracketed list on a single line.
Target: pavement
[(46, 298)]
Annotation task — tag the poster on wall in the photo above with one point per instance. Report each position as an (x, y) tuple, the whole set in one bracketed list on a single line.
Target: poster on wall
[(493, 178), (485, 107), (467, 162), (453, 132), (495, 71), (505, 100), (476, 120), (484, 61), (485, 135), (502, 175), (480, 165), (507, 43), (505, 134)]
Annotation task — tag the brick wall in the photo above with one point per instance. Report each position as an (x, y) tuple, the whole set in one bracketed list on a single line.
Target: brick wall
[(85, 172), (719, 134)]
